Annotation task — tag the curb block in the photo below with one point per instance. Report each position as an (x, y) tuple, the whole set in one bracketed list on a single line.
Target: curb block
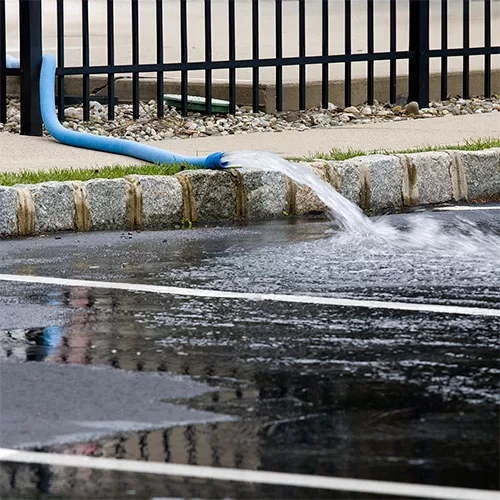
[(266, 193), (49, 216), (212, 195), (433, 178), (161, 201), (374, 182), (349, 179), (82, 212), (481, 171), (302, 198), (107, 203), (8, 211)]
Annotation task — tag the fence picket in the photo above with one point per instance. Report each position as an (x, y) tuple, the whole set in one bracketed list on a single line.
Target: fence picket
[(418, 55)]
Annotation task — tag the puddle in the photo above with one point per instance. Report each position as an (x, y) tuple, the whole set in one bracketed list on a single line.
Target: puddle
[(380, 396), (337, 391)]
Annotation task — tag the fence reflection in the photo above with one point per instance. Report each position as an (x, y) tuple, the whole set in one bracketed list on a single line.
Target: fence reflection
[(193, 444), (331, 426)]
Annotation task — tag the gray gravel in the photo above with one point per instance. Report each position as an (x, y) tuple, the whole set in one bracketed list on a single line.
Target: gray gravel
[(148, 127)]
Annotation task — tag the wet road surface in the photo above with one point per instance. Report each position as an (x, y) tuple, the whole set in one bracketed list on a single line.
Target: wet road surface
[(339, 391)]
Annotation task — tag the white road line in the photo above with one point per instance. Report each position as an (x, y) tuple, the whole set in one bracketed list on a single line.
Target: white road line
[(250, 476), (300, 299), (463, 209)]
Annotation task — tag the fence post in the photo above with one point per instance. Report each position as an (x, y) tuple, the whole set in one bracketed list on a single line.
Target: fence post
[(3, 68), (30, 31), (418, 70)]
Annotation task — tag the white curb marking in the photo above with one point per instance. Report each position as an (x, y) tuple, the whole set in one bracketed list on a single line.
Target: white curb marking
[(300, 299), (463, 209), (249, 476)]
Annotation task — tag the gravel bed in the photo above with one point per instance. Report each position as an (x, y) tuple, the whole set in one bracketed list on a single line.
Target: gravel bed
[(148, 127)]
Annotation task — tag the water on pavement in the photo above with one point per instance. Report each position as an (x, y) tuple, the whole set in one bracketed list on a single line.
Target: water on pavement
[(351, 392)]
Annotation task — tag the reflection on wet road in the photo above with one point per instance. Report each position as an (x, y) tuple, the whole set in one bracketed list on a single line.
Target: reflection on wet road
[(323, 390)]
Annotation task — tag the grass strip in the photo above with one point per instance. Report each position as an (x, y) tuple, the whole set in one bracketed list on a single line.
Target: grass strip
[(116, 171), (85, 174), (337, 154)]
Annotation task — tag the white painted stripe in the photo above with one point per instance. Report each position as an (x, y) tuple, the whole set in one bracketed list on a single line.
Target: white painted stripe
[(274, 297), (463, 209), (250, 476)]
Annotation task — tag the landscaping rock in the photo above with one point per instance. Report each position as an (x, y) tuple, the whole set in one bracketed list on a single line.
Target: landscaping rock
[(412, 108), (8, 211), (150, 127), (351, 109)]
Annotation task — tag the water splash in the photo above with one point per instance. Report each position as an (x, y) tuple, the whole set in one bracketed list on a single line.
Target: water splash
[(348, 215), (426, 234)]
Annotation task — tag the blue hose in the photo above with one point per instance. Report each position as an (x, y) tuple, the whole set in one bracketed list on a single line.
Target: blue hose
[(108, 144)]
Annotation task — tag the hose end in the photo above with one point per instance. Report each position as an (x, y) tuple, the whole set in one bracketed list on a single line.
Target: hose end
[(214, 161)]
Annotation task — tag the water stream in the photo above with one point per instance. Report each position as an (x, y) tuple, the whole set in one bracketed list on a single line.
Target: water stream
[(349, 215), (358, 231)]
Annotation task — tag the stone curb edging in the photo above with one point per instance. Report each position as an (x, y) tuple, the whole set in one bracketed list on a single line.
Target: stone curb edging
[(374, 182)]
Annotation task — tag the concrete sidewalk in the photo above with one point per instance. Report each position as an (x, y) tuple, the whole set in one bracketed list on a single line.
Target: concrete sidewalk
[(34, 153)]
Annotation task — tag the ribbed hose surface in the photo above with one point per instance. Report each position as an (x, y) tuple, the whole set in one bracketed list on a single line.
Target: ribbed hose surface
[(107, 144)]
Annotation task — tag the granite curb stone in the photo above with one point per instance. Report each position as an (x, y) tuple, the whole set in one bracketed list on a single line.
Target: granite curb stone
[(306, 200), (8, 211), (348, 178), (107, 203), (266, 193), (433, 176), (214, 194), (161, 200), (375, 182), (25, 211), (50, 216), (478, 166), (384, 181)]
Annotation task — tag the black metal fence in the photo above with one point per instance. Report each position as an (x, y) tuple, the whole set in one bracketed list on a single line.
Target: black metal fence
[(418, 54)]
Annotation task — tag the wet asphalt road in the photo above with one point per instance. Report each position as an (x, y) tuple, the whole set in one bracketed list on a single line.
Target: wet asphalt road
[(323, 390)]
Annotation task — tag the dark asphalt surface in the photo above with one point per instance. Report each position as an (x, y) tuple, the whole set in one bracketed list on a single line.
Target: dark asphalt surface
[(321, 390)]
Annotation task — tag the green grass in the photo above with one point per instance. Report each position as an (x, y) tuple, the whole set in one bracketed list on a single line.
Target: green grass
[(82, 174), (337, 154), (114, 172)]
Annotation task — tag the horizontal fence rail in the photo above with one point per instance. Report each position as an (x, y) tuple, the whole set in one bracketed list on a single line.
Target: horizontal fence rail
[(418, 53)]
